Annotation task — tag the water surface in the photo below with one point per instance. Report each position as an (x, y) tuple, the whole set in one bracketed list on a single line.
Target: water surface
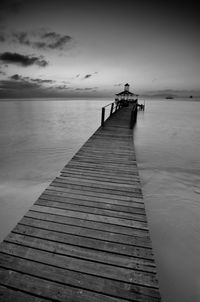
[(167, 139), (37, 138)]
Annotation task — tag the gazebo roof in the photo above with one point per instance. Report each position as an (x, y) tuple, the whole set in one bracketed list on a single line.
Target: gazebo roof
[(125, 92)]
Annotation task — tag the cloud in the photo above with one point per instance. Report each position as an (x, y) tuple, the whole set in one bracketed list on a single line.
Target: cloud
[(40, 81), (55, 40), (21, 37), (120, 84), (87, 76), (20, 86), (38, 39), (18, 77), (23, 60), (86, 89), (61, 87), (13, 85)]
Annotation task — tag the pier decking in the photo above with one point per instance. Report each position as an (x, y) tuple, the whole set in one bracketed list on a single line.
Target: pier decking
[(86, 238)]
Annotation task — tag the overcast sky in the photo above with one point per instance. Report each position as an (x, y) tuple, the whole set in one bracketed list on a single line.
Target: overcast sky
[(91, 48)]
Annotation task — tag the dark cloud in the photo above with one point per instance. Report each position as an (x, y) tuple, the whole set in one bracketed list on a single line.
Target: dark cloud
[(20, 86), (18, 77), (40, 81), (87, 76), (86, 88), (61, 87), (39, 39), (23, 60), (54, 41), (21, 37), (13, 85)]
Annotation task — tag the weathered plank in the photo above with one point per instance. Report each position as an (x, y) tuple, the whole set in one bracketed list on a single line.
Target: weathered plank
[(100, 204), (91, 210), (134, 202), (89, 224), (86, 232), (54, 271), (87, 216)]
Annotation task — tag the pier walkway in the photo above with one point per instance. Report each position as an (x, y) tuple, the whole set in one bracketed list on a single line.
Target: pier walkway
[(86, 238)]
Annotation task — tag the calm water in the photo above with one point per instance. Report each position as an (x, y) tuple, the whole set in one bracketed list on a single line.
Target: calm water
[(38, 137), (167, 139)]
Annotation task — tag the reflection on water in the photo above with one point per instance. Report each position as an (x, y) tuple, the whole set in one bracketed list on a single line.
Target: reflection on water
[(167, 139)]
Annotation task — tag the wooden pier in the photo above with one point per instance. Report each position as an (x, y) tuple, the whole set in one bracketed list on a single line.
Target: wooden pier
[(86, 238)]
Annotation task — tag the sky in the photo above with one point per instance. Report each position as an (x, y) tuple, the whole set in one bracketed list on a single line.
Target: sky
[(64, 48)]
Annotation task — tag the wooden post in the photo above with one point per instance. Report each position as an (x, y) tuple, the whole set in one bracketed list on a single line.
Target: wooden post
[(102, 116), (111, 109)]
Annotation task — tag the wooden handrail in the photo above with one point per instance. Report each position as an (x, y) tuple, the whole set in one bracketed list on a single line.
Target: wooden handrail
[(114, 107), (133, 116)]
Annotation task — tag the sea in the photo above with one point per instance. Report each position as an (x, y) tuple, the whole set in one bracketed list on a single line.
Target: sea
[(39, 136)]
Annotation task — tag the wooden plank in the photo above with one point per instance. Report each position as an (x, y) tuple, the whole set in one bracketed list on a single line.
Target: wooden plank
[(92, 217), (99, 183), (91, 152), (91, 210), (98, 159), (61, 188), (8, 295), (112, 177), (104, 166), (86, 232), (83, 265), (61, 183), (55, 272), (88, 224), (50, 289), (94, 249), (135, 202), (100, 204), (102, 174)]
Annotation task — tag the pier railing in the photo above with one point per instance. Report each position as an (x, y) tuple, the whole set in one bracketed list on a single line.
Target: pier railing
[(111, 108), (108, 110), (133, 118)]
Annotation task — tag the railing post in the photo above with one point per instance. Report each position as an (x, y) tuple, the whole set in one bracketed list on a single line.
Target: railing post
[(102, 116), (111, 109)]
